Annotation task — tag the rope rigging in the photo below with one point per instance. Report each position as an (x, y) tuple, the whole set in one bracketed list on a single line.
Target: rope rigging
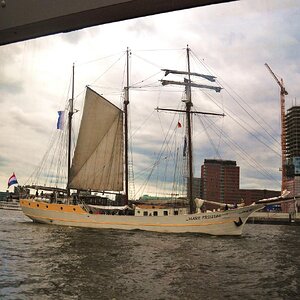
[(163, 167), (167, 172), (241, 152), (272, 133)]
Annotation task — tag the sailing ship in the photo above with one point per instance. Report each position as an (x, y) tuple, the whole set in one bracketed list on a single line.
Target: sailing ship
[(100, 163)]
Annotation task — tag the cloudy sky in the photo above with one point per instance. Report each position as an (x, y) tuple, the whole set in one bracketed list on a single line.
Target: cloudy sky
[(231, 41)]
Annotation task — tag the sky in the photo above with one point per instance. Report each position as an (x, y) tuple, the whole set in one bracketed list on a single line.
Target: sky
[(231, 41)]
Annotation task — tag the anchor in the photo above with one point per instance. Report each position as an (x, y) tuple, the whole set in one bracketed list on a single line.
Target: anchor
[(239, 223)]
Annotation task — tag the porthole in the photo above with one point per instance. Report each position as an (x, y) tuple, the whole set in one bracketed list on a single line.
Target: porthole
[(74, 209), (61, 208)]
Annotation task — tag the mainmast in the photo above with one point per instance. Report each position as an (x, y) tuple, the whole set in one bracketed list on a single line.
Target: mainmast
[(188, 105), (126, 102), (71, 112)]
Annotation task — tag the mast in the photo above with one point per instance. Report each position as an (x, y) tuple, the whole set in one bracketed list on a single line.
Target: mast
[(126, 102), (188, 88), (71, 112), (189, 134)]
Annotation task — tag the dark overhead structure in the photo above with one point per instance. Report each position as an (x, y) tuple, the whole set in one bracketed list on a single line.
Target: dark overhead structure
[(26, 19)]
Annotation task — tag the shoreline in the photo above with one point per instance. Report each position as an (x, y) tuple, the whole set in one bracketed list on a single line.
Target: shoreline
[(276, 218)]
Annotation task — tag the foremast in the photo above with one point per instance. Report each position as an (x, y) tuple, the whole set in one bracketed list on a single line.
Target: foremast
[(188, 105), (126, 102), (85, 156)]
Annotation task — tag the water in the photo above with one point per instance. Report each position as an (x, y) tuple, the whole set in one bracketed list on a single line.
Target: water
[(50, 262)]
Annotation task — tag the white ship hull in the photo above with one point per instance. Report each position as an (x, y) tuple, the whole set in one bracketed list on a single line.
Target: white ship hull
[(230, 222)]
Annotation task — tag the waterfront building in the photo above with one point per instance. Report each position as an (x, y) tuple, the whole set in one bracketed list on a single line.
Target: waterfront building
[(292, 125), (4, 195), (251, 195), (220, 181)]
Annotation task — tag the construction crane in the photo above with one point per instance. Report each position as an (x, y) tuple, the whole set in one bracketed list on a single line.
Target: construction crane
[(283, 93)]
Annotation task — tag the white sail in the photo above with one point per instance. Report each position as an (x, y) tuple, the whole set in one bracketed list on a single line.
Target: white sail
[(98, 157)]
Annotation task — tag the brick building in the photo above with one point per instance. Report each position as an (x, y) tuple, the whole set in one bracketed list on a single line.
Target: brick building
[(220, 180), (251, 195)]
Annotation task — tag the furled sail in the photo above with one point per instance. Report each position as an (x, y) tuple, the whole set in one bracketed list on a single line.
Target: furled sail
[(98, 157)]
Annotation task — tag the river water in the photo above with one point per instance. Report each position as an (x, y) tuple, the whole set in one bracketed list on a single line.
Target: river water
[(50, 262)]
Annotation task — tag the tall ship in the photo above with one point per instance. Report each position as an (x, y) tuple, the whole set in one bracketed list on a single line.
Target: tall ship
[(100, 164)]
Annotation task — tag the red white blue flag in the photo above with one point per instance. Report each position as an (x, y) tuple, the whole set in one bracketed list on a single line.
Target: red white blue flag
[(60, 120), (12, 180)]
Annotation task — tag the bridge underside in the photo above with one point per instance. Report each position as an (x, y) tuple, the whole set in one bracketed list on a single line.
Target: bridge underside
[(22, 20)]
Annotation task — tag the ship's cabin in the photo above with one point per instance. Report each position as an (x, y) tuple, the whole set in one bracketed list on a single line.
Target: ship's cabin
[(159, 211)]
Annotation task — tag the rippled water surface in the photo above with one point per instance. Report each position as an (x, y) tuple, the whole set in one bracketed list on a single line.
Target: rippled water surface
[(50, 262)]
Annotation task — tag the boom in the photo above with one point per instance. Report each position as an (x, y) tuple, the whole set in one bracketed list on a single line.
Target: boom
[(280, 83)]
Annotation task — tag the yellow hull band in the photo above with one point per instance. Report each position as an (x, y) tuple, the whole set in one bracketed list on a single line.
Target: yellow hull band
[(52, 207)]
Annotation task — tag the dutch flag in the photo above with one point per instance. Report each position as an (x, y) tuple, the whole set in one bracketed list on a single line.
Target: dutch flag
[(12, 180)]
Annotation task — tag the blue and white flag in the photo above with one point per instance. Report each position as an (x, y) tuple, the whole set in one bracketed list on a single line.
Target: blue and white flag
[(60, 120), (12, 180)]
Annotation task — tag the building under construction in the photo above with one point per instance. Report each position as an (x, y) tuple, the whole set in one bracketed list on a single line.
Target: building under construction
[(290, 147), (292, 123), (292, 131)]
